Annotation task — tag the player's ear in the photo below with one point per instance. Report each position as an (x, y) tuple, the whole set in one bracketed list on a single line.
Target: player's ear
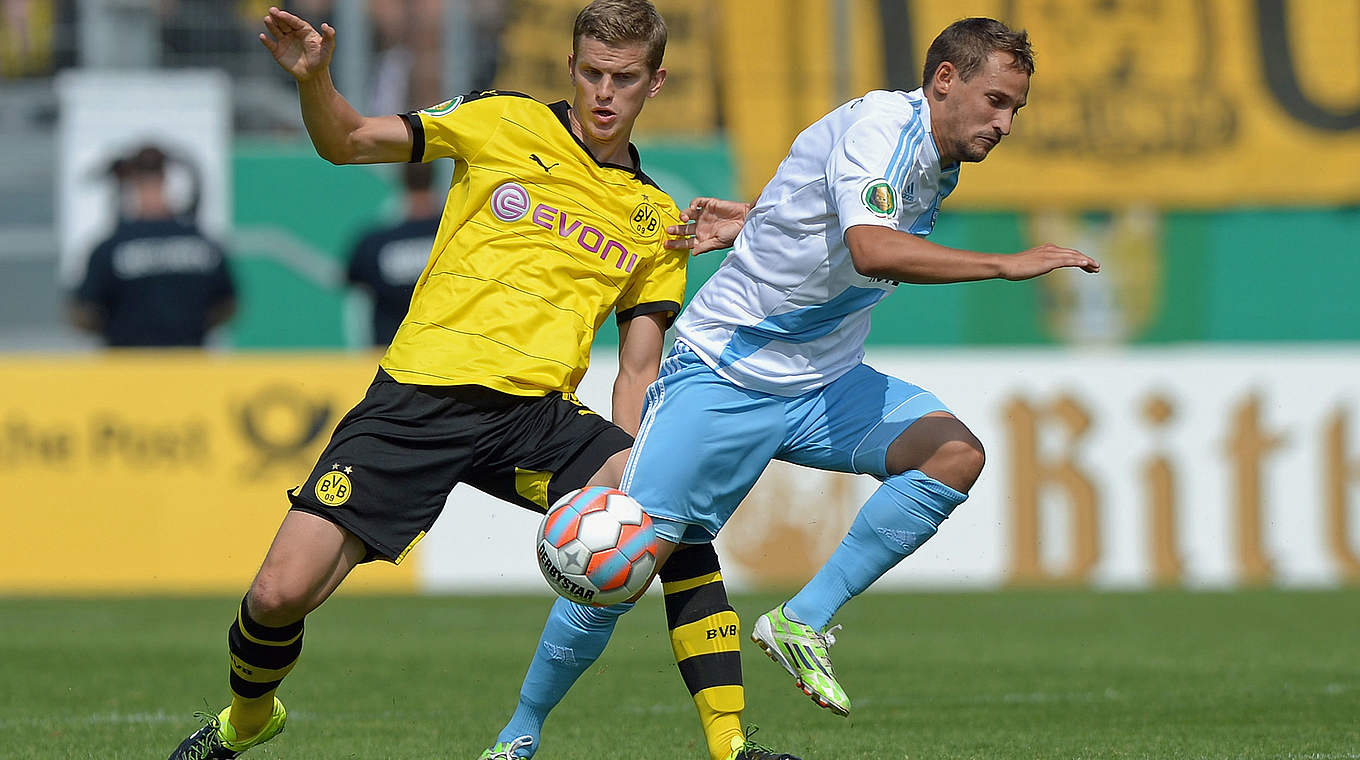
[(658, 79), (571, 68), (945, 75)]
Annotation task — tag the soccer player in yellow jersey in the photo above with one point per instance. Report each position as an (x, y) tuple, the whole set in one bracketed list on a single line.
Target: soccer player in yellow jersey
[(549, 227)]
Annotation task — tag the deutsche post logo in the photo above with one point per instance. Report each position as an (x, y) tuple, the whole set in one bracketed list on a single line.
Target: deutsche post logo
[(645, 220), (334, 487), (880, 199), (281, 423)]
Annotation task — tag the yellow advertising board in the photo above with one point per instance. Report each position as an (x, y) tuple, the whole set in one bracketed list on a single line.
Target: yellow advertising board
[(1202, 103), (162, 472)]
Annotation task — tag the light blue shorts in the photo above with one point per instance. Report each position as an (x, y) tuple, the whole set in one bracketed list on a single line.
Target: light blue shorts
[(704, 441)]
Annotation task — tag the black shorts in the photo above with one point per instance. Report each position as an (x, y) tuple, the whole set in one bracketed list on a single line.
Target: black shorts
[(393, 459)]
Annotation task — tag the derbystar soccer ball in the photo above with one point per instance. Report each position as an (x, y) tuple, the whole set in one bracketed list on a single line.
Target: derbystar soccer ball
[(596, 546)]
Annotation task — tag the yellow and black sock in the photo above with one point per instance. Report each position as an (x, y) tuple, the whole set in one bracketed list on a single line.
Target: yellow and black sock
[(706, 638), (260, 657)]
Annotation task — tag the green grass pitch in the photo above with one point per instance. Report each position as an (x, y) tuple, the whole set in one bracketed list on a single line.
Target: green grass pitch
[(1017, 674)]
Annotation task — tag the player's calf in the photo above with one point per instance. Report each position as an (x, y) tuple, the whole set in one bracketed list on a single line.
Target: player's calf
[(705, 637)]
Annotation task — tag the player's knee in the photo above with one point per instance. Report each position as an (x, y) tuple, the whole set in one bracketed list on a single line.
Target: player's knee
[(275, 603), (957, 463)]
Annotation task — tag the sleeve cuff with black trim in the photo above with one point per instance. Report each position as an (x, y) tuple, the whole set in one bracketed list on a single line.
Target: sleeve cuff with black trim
[(654, 307), (417, 136)]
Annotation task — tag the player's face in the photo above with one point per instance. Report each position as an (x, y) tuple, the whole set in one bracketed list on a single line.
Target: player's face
[(612, 83), (969, 118)]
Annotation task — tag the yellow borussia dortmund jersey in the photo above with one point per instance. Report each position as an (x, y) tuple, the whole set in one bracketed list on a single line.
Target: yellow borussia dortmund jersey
[(539, 242)]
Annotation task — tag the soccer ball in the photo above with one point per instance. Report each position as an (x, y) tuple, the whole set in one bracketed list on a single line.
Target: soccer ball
[(596, 546)]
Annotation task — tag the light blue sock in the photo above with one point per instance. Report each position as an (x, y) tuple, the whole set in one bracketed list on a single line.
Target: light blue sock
[(572, 639), (902, 514)]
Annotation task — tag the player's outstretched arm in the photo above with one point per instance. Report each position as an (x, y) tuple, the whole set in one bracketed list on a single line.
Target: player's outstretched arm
[(341, 134), (894, 255), (710, 224)]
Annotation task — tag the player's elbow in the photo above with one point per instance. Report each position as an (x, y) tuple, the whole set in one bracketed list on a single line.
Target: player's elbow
[(867, 253), (336, 155), (341, 150), (870, 266)]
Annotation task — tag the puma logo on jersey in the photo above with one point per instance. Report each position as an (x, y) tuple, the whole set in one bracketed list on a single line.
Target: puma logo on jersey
[(539, 161)]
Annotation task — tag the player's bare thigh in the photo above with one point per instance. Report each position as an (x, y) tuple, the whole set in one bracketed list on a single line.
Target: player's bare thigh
[(309, 558), (610, 473), (942, 447)]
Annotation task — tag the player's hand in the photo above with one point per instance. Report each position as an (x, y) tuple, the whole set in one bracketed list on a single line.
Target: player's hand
[(301, 50), (1043, 259), (710, 224)]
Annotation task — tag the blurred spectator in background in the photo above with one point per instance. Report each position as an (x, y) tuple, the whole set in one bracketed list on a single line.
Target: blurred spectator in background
[(220, 33), (408, 62), (157, 280), (27, 28), (387, 261), (200, 32), (488, 18), (408, 39)]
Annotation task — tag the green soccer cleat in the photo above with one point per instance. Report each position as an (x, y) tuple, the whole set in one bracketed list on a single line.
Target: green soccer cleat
[(802, 652), (745, 749), (507, 750), (216, 740)]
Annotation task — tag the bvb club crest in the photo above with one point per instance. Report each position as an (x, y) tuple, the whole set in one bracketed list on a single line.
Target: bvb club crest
[(334, 487), (645, 220)]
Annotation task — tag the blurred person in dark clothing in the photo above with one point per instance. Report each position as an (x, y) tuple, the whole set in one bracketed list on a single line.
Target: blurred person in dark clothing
[(157, 280), (387, 261)]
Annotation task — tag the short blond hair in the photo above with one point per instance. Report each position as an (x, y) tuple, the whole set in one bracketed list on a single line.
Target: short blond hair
[(619, 22)]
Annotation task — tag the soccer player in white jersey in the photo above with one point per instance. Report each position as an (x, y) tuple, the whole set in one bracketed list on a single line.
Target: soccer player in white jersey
[(768, 360)]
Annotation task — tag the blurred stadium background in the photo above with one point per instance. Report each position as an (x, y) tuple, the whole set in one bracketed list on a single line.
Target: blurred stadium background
[(1188, 419)]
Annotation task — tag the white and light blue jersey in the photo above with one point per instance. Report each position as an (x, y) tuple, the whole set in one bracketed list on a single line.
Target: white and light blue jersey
[(787, 312)]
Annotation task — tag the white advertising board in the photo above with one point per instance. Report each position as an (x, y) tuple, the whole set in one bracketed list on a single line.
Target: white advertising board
[(1203, 467)]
